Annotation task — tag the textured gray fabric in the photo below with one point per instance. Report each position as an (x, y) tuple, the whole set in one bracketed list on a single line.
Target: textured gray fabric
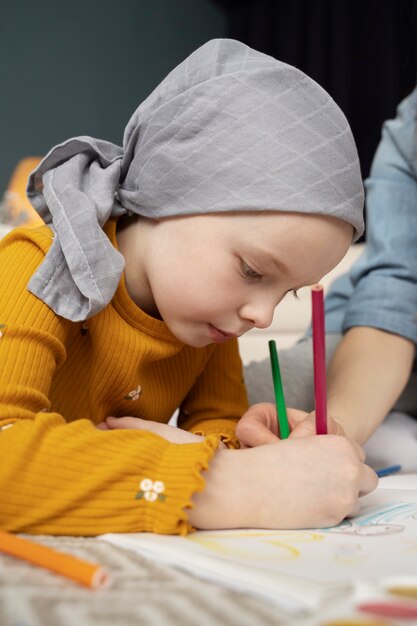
[(143, 593), (229, 129), (296, 366)]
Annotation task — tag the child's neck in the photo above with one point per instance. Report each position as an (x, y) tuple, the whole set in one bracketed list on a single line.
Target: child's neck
[(131, 237)]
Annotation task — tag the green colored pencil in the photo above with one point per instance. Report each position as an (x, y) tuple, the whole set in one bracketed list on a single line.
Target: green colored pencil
[(284, 429)]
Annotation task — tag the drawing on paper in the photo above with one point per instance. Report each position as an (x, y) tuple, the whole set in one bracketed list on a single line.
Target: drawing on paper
[(350, 554), (257, 545), (270, 546), (378, 520)]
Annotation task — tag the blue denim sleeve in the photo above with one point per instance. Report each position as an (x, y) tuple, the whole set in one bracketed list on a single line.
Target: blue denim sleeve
[(380, 291)]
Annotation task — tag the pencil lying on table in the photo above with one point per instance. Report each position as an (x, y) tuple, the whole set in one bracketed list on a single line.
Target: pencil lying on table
[(81, 571), (319, 359)]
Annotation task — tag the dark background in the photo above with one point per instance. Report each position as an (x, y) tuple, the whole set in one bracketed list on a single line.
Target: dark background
[(363, 52), (82, 66)]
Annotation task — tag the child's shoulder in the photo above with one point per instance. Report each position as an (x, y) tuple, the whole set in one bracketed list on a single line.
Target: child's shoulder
[(41, 236)]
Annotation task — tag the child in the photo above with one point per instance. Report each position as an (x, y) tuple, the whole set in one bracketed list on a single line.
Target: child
[(238, 181)]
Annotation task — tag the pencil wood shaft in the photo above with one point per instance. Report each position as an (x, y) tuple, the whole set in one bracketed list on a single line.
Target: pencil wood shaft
[(284, 429)]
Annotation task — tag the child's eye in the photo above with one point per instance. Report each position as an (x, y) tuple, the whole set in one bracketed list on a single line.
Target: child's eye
[(248, 271)]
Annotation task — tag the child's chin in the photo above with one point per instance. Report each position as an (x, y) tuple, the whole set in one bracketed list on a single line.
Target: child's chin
[(198, 344), (189, 340)]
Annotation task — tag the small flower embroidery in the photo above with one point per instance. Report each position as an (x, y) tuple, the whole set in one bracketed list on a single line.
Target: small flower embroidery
[(1, 329), (150, 490), (134, 394)]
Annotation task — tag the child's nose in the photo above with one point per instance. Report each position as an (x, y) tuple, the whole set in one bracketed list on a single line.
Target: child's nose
[(259, 314)]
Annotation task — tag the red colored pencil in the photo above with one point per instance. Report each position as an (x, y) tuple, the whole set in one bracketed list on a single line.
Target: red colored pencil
[(319, 359)]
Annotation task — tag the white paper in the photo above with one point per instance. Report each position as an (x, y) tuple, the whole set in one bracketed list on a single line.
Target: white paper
[(300, 569)]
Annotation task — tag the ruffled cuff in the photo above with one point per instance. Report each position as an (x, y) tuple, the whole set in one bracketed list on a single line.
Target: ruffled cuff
[(176, 479), (223, 429)]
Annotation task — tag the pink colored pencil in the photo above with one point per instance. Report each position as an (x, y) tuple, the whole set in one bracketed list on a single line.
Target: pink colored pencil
[(319, 359)]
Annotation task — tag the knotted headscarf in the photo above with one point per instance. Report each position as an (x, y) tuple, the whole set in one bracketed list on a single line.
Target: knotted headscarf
[(229, 129)]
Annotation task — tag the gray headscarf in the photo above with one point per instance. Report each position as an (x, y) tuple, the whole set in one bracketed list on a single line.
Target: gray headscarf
[(229, 129)]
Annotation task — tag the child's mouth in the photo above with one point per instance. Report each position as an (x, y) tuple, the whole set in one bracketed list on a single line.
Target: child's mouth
[(217, 335)]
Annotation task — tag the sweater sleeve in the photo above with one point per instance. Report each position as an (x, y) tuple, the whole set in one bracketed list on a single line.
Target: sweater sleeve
[(384, 279), (71, 478), (380, 289), (218, 398)]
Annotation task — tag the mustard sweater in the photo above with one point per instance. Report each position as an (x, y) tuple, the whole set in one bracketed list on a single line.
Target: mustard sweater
[(58, 473)]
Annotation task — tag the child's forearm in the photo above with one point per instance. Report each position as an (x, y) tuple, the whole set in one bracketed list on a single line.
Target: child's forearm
[(368, 372)]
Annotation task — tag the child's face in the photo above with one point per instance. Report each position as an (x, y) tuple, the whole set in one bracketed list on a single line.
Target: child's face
[(214, 277)]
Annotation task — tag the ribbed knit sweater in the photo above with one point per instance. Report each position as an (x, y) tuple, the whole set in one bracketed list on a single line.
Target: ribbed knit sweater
[(59, 474)]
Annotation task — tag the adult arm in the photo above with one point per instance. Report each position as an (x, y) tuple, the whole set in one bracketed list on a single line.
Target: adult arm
[(367, 374)]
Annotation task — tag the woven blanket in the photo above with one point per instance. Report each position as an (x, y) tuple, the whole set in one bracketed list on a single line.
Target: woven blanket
[(143, 593)]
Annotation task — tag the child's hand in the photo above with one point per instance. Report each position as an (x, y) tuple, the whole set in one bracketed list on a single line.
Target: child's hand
[(259, 425), (307, 426), (309, 482), (171, 433)]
